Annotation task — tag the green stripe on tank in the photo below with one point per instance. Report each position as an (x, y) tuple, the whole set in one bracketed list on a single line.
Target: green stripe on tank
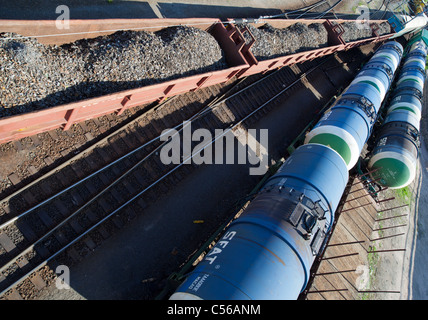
[(335, 143), (405, 108), (385, 56), (410, 79), (393, 173), (371, 83)]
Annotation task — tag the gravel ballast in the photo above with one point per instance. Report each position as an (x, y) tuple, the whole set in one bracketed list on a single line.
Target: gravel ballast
[(35, 76), (273, 42)]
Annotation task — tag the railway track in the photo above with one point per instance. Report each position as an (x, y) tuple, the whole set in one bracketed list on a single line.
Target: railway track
[(316, 11), (35, 209), (69, 212), (321, 5)]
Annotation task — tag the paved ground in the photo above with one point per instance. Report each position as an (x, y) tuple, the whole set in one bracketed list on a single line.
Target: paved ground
[(125, 9), (418, 243), (105, 9), (415, 276)]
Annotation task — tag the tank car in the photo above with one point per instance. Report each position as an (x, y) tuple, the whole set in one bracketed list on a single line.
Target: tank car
[(394, 157), (347, 126)]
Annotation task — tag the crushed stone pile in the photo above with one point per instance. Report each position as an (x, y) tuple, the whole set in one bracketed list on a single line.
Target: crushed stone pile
[(273, 42), (353, 33)]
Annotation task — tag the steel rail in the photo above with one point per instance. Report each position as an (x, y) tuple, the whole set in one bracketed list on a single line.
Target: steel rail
[(201, 112), (328, 10), (108, 187)]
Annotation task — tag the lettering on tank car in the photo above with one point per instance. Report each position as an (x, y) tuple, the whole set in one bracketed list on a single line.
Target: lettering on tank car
[(212, 255), (197, 283)]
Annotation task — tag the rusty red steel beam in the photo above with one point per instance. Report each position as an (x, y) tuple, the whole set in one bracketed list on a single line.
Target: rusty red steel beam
[(230, 38)]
